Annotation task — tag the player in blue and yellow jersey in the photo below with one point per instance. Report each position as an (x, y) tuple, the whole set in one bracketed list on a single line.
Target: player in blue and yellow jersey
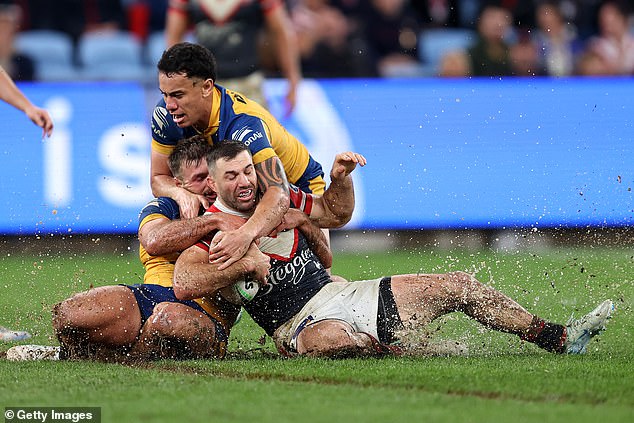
[(193, 104), (146, 320)]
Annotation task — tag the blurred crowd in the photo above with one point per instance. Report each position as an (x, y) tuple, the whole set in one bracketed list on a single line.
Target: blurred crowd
[(382, 38)]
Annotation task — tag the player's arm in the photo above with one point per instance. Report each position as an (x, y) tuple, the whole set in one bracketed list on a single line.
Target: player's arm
[(175, 24), (285, 40), (230, 246), (337, 203), (10, 93), (334, 209), (315, 237), (164, 236), (195, 277), (163, 184)]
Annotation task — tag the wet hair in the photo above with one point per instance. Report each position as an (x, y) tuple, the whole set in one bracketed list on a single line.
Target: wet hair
[(192, 60), (227, 150), (188, 151)]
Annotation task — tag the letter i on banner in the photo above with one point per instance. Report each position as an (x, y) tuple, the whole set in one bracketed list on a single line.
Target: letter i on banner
[(57, 170)]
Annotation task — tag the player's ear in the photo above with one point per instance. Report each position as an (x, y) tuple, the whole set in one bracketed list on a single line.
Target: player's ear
[(178, 182), (207, 87)]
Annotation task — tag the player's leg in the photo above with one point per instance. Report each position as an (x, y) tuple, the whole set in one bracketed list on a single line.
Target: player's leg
[(177, 331), (95, 322), (334, 339), (422, 298)]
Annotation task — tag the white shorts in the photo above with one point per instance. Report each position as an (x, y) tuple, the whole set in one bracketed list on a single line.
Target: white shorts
[(356, 303)]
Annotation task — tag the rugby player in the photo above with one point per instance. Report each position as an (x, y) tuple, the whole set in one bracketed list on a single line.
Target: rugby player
[(146, 321), (192, 104), (308, 314)]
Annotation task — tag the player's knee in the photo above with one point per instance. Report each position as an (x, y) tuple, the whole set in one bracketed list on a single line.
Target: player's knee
[(171, 319), (326, 338), (63, 315), (460, 281)]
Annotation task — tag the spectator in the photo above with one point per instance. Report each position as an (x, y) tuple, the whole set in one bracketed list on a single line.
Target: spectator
[(67, 16), (438, 13), (613, 48), (557, 41), (391, 30), (525, 54), (232, 33), (20, 67), (104, 15), (490, 55), (325, 37)]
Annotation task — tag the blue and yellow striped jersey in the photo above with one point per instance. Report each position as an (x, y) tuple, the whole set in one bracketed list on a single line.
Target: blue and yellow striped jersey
[(235, 117)]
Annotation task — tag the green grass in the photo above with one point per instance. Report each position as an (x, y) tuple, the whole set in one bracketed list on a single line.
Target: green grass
[(502, 379)]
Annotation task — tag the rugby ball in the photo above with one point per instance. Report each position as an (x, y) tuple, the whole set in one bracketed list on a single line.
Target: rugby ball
[(240, 292)]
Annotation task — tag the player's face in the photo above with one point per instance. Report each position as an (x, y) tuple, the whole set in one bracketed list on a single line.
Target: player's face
[(188, 100), (194, 179), (236, 182)]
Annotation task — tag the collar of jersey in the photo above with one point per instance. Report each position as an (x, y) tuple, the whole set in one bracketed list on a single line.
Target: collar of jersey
[(218, 204), (214, 117)]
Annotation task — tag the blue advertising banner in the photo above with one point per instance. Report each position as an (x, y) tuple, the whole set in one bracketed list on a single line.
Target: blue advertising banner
[(470, 153), (442, 153), (91, 176)]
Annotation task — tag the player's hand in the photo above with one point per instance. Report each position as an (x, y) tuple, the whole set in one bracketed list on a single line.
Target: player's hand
[(229, 247), (41, 118), (189, 203), (228, 222), (292, 219), (290, 100), (257, 264), (345, 163)]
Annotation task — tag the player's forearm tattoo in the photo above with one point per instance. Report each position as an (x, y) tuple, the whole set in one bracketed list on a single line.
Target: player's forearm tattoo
[(271, 173)]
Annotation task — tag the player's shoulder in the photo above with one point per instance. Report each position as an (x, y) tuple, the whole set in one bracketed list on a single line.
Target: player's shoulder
[(164, 129), (242, 107), (299, 199), (163, 206)]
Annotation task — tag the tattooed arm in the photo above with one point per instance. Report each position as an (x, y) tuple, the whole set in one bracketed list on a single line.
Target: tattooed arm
[(230, 246)]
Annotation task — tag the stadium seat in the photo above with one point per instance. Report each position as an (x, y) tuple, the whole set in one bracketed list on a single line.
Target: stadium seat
[(115, 55), (154, 48), (434, 43), (52, 52)]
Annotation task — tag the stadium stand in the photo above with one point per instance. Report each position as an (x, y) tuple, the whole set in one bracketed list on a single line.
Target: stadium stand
[(434, 43), (111, 55), (52, 52)]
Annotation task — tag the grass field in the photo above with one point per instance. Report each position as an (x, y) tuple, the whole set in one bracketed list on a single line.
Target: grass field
[(501, 380)]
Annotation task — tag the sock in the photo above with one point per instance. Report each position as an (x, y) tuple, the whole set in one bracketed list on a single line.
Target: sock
[(549, 336)]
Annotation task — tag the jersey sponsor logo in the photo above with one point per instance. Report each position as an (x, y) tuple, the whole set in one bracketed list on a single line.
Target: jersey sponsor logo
[(159, 121), (239, 98), (290, 273), (246, 135)]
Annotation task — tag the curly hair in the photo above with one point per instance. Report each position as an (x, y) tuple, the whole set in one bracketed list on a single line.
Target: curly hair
[(192, 60)]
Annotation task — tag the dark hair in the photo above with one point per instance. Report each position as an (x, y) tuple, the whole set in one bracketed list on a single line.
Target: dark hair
[(226, 149), (622, 6), (188, 151), (192, 60)]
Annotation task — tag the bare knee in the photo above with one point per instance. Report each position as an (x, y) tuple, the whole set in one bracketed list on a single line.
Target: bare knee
[(460, 283), (62, 316), (176, 320), (104, 313), (331, 338)]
